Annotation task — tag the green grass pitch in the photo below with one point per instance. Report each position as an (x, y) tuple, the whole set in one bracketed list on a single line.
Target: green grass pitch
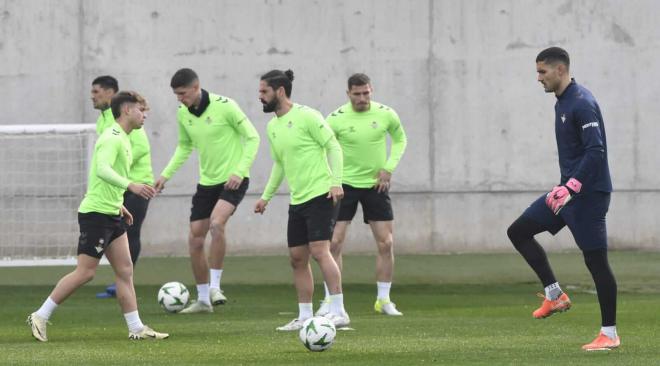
[(459, 310)]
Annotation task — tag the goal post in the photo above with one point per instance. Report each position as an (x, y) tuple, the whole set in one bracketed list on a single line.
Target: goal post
[(43, 171)]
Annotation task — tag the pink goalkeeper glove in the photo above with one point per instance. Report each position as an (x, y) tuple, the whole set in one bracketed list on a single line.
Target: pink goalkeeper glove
[(561, 195)]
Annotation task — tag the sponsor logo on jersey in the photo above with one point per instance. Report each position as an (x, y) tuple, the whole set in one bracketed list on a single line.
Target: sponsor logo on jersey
[(590, 124), (563, 117)]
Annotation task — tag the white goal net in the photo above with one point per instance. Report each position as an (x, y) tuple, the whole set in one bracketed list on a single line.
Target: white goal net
[(43, 171)]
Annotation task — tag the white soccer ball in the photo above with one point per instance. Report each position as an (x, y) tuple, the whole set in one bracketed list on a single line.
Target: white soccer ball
[(318, 333), (173, 296)]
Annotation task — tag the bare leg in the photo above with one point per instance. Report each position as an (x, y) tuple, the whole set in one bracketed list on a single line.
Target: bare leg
[(382, 231), (196, 238), (320, 250), (67, 285), (337, 244), (119, 256), (219, 217), (302, 273)]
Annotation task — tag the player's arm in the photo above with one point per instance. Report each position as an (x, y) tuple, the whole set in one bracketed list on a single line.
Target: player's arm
[(183, 150), (399, 143), (244, 127), (322, 133), (274, 182), (588, 125)]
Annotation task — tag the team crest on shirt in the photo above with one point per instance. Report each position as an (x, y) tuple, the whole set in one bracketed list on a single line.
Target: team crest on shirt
[(290, 124), (99, 248), (563, 117), (374, 124), (351, 129), (189, 122), (208, 120)]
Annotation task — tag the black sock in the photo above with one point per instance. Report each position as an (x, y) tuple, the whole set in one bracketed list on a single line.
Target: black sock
[(521, 233), (598, 265)]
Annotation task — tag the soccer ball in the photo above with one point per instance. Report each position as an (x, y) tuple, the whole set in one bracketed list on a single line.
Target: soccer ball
[(173, 296), (317, 334)]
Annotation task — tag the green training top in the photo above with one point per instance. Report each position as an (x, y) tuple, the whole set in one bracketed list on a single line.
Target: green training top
[(363, 139), (107, 175), (140, 170), (225, 138), (299, 141)]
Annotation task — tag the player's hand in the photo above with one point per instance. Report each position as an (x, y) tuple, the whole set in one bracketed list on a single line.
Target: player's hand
[(233, 183), (160, 184), (143, 190), (383, 183), (336, 193), (126, 215), (260, 206), (561, 195)]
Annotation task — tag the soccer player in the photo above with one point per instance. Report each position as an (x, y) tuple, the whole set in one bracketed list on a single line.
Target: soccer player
[(101, 229), (361, 127), (103, 89), (580, 201), (227, 143), (305, 151)]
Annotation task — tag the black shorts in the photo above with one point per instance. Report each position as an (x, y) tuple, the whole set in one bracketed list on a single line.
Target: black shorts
[(375, 206), (310, 221), (584, 215), (97, 231), (206, 197)]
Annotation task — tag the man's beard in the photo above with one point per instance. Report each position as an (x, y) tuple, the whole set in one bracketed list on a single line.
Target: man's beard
[(271, 106)]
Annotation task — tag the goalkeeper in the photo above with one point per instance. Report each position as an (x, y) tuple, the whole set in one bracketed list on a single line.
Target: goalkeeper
[(580, 201)]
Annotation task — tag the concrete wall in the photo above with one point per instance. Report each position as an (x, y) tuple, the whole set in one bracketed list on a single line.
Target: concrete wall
[(461, 75)]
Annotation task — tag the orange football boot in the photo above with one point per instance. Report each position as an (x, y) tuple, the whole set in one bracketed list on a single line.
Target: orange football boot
[(550, 307), (602, 343)]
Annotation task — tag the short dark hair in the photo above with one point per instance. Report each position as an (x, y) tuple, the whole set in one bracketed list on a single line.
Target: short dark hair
[(278, 78), (183, 77), (106, 82), (121, 98), (553, 55), (358, 79)]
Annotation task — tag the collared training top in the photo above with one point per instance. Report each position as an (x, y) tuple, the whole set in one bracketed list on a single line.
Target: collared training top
[(224, 137)]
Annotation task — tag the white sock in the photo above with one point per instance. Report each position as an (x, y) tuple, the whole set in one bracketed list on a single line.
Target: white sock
[(133, 322), (610, 332), (46, 310), (384, 290), (337, 304), (305, 311), (553, 291), (216, 276), (327, 292), (203, 293)]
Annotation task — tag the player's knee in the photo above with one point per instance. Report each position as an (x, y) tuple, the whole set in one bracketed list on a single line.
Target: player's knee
[(385, 246), (195, 243), (336, 246), (217, 227), (86, 274), (298, 262)]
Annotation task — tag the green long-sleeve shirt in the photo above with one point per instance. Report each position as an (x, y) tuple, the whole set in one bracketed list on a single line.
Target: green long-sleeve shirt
[(224, 137), (305, 152), (363, 139)]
